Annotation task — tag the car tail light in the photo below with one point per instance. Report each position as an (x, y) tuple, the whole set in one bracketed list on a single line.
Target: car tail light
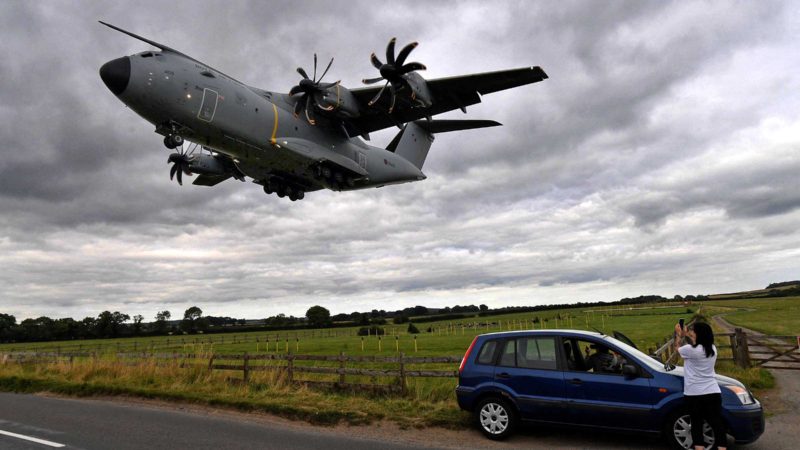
[(466, 355)]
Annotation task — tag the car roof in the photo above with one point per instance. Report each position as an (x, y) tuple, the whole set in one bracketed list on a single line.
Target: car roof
[(549, 332)]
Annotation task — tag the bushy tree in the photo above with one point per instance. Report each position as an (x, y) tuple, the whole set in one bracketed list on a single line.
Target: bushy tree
[(318, 316), (412, 329)]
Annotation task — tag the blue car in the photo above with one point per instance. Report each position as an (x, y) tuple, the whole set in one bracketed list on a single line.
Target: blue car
[(588, 379)]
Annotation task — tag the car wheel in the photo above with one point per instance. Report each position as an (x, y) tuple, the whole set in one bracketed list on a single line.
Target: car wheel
[(496, 418), (678, 431)]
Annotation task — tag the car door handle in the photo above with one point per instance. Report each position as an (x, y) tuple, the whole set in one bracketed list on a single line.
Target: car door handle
[(576, 381), (503, 376)]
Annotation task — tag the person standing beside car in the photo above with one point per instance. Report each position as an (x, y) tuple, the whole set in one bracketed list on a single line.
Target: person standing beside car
[(700, 387)]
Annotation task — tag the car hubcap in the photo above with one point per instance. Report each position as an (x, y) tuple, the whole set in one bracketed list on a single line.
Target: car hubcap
[(494, 418), (682, 430)]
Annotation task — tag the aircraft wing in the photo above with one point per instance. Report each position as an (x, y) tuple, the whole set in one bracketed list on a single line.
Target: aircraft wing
[(448, 94)]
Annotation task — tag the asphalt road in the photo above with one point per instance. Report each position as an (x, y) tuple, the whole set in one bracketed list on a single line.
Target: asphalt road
[(93, 424)]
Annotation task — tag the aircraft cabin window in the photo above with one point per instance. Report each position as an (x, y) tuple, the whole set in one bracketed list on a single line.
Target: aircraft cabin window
[(208, 74), (146, 55)]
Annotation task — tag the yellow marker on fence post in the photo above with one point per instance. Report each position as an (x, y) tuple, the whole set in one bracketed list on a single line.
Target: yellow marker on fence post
[(287, 345), (379, 344), (397, 343), (415, 343), (362, 343), (297, 346)]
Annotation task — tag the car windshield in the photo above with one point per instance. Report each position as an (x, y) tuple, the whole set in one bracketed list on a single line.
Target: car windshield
[(641, 356)]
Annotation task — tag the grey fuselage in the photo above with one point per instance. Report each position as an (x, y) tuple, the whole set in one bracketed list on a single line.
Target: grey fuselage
[(180, 95)]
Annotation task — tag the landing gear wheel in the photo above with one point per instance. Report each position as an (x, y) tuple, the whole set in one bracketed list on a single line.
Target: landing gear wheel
[(496, 418), (268, 188), (678, 431), (338, 177), (281, 191), (301, 195), (168, 142), (326, 172)]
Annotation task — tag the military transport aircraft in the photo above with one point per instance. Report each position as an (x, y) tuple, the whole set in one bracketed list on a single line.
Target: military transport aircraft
[(304, 140)]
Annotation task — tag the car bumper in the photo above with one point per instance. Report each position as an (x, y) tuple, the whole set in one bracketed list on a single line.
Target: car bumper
[(465, 397), (745, 424)]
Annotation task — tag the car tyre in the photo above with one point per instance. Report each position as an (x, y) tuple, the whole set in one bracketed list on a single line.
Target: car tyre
[(496, 418), (678, 431)]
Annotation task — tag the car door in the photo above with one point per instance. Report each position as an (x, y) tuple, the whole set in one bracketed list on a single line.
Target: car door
[(528, 367), (608, 398)]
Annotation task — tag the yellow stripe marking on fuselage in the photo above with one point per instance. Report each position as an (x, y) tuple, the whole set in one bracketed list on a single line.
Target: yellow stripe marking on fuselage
[(272, 140)]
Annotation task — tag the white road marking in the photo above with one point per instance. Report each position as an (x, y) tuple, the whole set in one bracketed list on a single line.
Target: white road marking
[(32, 439)]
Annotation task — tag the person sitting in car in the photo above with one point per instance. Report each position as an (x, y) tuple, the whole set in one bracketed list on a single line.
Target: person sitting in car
[(601, 361)]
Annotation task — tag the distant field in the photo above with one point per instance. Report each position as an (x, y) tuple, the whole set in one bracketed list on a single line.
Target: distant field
[(644, 325), (775, 316)]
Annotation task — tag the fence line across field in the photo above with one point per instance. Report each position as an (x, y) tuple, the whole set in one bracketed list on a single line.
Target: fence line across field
[(249, 363)]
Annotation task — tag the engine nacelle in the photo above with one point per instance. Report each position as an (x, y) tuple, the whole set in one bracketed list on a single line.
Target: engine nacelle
[(339, 102), (205, 164), (420, 94)]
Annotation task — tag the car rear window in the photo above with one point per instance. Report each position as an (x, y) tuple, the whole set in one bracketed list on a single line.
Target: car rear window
[(487, 352), (530, 353)]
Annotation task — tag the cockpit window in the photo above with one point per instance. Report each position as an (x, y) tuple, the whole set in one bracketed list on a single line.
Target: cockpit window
[(208, 74), (146, 55)]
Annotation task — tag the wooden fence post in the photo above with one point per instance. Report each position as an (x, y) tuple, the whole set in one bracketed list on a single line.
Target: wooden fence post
[(290, 367), (341, 369), (246, 376), (403, 387), (211, 363), (742, 353)]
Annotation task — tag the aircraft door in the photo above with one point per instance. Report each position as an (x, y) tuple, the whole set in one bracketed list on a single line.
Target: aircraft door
[(209, 105)]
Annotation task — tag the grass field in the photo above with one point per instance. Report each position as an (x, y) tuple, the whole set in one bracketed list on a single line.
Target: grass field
[(428, 402), (774, 316)]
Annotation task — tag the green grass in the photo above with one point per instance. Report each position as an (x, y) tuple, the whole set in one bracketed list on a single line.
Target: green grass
[(774, 316)]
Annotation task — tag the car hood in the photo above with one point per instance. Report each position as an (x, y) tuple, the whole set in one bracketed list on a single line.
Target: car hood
[(721, 379)]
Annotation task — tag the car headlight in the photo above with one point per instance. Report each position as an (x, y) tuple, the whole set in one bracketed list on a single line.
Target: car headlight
[(743, 394)]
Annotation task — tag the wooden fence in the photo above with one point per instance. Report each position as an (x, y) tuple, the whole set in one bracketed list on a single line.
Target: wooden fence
[(397, 369), (747, 350)]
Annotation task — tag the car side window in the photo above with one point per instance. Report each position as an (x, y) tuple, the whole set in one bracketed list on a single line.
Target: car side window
[(508, 356), (536, 353), (486, 356)]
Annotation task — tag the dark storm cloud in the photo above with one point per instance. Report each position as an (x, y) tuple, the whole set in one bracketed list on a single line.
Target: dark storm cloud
[(623, 171)]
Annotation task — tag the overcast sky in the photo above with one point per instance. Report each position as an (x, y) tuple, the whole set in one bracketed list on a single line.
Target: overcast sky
[(661, 157)]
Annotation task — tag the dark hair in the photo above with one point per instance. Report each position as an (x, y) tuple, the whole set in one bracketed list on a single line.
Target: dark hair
[(704, 337)]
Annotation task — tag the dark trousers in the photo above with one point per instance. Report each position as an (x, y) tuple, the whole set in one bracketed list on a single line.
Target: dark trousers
[(709, 408)]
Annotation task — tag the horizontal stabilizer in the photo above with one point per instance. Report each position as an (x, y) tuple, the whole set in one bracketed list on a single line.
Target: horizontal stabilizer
[(443, 126)]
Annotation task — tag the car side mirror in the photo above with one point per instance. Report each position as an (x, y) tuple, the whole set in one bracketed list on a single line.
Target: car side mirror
[(629, 370)]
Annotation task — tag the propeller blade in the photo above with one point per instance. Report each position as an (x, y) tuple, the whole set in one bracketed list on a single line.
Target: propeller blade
[(299, 105), (296, 90), (309, 117), (371, 80), (401, 57), (390, 51), (394, 97), (375, 61), (302, 73), (326, 70), (378, 95), (410, 67), (180, 181), (315, 68), (172, 171)]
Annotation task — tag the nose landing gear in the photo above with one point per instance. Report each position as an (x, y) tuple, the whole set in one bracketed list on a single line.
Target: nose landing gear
[(173, 141)]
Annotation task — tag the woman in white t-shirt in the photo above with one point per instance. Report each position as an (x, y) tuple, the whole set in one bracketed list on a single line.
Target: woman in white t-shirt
[(700, 388)]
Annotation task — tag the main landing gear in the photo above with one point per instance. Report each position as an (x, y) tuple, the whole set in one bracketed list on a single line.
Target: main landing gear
[(283, 189), (334, 179)]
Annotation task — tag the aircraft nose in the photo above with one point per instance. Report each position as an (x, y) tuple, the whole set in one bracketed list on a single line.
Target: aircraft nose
[(116, 74)]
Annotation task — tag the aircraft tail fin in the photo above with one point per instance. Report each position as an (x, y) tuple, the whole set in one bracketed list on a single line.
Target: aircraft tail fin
[(414, 141)]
